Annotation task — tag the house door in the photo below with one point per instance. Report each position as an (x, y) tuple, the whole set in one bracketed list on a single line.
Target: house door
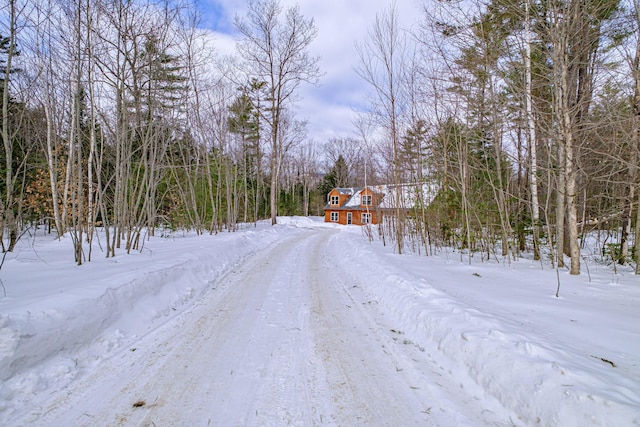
[(349, 218)]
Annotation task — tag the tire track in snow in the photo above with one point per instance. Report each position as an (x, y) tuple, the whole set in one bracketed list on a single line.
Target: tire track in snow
[(366, 383)]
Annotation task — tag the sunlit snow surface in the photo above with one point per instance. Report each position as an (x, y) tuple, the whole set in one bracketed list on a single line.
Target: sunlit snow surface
[(493, 328)]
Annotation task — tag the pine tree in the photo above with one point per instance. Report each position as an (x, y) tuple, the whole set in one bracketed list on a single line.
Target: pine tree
[(244, 122), (335, 178)]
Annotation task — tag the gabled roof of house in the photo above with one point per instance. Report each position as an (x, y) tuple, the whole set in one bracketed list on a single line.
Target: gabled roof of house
[(349, 191), (356, 200), (354, 192)]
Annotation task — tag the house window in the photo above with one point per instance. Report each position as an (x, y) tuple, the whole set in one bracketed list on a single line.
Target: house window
[(366, 201), (334, 216), (366, 218), (335, 200)]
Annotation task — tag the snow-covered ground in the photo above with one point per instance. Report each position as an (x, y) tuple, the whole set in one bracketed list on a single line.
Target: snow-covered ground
[(307, 323)]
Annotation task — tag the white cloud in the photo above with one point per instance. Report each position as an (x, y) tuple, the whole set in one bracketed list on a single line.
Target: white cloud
[(329, 107)]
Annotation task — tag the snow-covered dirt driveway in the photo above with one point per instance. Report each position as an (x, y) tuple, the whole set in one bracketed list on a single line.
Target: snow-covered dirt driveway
[(281, 340)]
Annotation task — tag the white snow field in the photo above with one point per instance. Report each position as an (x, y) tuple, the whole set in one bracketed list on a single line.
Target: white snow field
[(310, 324)]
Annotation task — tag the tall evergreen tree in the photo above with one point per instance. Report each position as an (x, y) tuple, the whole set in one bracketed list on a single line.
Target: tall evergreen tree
[(243, 121)]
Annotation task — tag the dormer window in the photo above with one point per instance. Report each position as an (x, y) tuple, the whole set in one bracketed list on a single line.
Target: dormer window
[(335, 200), (366, 200)]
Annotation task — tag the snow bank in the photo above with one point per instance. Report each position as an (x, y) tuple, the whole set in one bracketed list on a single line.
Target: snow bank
[(59, 319), (572, 361)]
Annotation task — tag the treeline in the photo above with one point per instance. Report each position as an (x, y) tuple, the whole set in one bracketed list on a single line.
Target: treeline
[(120, 115), (526, 115), (523, 117)]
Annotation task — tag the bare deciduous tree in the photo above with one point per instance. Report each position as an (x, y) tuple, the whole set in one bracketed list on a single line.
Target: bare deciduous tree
[(277, 52), (381, 63)]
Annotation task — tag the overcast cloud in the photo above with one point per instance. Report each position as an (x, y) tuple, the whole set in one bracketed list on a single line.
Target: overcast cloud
[(329, 108)]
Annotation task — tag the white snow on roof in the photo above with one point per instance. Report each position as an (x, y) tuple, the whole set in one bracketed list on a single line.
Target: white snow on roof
[(408, 195), (355, 200), (345, 190)]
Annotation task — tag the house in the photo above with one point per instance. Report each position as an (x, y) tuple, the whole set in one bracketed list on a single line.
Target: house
[(367, 205), (352, 206)]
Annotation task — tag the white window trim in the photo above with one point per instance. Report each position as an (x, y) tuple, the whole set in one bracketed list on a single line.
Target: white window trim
[(334, 200), (367, 200), (333, 216), (366, 218)]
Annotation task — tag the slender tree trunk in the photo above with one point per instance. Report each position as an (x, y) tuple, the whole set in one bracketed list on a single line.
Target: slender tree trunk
[(53, 170), (7, 208), (211, 193), (572, 208), (75, 144), (91, 211), (273, 196), (635, 144), (560, 206), (533, 157), (500, 188), (464, 172)]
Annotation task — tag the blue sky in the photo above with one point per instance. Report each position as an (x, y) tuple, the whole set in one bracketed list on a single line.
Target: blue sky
[(329, 108), (219, 14)]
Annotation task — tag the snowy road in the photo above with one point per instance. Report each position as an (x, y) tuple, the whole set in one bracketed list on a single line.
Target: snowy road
[(281, 340)]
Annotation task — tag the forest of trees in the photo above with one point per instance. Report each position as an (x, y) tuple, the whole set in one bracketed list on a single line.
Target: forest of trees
[(122, 117)]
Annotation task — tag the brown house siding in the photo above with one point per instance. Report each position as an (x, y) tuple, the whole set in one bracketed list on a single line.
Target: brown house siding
[(356, 216), (343, 195)]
